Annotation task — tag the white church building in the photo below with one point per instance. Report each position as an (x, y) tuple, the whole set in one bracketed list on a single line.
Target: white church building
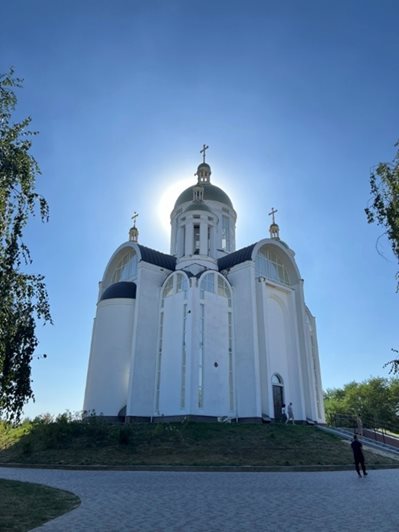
[(207, 331)]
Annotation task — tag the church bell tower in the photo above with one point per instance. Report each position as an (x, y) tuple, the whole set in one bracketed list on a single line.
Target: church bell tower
[(203, 221)]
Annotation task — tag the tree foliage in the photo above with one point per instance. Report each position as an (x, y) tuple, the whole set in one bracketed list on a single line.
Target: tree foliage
[(23, 295), (375, 400), (384, 210)]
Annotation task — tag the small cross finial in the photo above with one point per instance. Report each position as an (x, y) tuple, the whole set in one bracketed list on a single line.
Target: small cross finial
[(135, 214), (272, 213), (203, 151), (133, 231)]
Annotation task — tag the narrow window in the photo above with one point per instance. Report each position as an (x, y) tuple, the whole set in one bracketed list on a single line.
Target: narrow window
[(231, 376), (201, 360), (158, 371), (196, 239), (183, 241), (225, 233), (183, 361)]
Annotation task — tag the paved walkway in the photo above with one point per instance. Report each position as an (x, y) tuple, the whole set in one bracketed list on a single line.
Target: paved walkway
[(118, 501)]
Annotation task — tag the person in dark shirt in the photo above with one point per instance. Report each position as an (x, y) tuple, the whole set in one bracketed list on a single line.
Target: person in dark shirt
[(358, 456)]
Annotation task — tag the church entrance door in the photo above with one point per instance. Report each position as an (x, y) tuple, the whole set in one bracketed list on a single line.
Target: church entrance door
[(277, 400), (278, 396)]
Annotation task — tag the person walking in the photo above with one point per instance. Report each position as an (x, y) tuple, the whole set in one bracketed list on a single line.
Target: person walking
[(283, 413), (358, 456), (290, 414)]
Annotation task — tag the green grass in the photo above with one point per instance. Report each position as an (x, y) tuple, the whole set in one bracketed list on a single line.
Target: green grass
[(76, 443), (68, 442), (24, 506)]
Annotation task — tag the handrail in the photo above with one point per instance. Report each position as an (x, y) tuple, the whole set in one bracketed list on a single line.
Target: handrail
[(370, 426)]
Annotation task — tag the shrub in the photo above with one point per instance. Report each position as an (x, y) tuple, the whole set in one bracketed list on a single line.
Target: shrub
[(27, 447), (124, 435)]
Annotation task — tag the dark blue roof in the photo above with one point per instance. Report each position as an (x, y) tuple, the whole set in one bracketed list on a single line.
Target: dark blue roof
[(123, 289), (157, 258), (236, 257)]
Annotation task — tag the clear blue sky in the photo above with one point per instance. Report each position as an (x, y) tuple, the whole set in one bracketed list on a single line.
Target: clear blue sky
[(297, 101)]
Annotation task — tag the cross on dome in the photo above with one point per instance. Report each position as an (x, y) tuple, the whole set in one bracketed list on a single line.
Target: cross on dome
[(203, 151), (274, 228), (135, 214), (133, 231), (204, 170), (272, 213)]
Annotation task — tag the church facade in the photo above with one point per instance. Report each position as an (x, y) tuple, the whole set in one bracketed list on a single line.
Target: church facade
[(207, 331)]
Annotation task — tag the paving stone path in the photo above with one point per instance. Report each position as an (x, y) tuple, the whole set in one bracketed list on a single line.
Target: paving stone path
[(119, 501)]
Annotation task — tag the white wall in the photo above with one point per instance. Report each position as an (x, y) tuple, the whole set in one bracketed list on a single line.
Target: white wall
[(286, 353), (270, 335), (172, 357), (314, 369), (108, 373), (145, 340), (242, 279), (216, 350)]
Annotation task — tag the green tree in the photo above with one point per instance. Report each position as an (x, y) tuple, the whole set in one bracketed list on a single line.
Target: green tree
[(384, 211), (334, 404), (23, 295), (376, 400)]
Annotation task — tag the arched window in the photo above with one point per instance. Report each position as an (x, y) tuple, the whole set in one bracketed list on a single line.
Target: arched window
[(126, 267), (223, 288), (177, 282), (168, 288), (269, 265), (207, 283), (277, 380), (122, 268), (219, 286)]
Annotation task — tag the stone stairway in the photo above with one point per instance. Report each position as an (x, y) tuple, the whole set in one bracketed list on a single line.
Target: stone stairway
[(371, 442)]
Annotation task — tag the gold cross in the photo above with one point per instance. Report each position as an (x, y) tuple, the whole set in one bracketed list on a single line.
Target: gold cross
[(135, 214), (272, 213), (203, 151)]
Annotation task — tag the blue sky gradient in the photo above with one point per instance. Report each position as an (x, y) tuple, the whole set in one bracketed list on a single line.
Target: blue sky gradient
[(297, 100)]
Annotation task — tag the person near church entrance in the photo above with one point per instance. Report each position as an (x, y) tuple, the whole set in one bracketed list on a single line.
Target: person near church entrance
[(283, 413), (290, 416), (358, 456)]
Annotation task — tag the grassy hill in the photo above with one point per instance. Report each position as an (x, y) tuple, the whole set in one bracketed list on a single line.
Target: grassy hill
[(67, 442)]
